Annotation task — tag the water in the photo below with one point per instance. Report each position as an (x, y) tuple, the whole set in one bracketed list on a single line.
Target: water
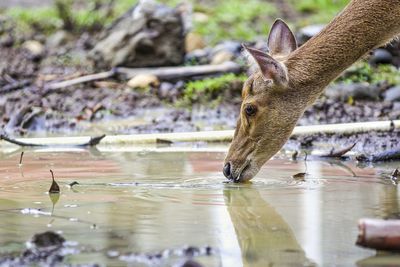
[(142, 200)]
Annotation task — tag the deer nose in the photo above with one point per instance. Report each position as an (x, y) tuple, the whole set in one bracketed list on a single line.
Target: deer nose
[(227, 170)]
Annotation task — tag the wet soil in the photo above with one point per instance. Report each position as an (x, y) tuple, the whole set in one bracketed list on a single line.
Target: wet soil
[(26, 107)]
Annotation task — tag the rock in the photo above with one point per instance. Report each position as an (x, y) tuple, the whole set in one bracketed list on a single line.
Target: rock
[(58, 38), (199, 57), (194, 41), (358, 91), (381, 56), (308, 32), (148, 35), (35, 48), (221, 57), (392, 94), (231, 46), (200, 17), (394, 49), (165, 89), (143, 81), (47, 239), (7, 40)]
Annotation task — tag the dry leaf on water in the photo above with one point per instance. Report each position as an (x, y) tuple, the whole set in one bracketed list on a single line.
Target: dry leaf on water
[(54, 188)]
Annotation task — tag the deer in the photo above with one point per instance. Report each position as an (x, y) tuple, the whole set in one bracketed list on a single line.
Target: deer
[(289, 78)]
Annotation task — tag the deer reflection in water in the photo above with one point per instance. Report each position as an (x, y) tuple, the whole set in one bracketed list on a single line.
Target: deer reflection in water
[(264, 237)]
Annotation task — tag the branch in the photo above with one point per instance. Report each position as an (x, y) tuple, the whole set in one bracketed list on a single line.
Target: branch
[(83, 79), (171, 73), (339, 153), (92, 142), (14, 86)]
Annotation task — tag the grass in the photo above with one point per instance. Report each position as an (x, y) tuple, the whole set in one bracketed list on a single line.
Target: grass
[(47, 19), (318, 11), (235, 19), (43, 18), (364, 72), (209, 91)]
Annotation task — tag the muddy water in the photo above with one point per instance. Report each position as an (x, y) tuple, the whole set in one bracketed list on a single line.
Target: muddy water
[(142, 201)]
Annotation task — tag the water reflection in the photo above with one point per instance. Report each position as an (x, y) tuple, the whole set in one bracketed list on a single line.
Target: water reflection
[(148, 201), (264, 237)]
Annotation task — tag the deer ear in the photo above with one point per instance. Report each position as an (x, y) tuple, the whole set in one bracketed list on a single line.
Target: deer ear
[(270, 68), (281, 39)]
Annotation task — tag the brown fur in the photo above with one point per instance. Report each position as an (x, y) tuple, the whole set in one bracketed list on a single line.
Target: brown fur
[(361, 26)]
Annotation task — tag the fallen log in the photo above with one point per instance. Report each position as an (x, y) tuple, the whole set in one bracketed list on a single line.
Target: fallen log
[(379, 234), (162, 73), (218, 136), (82, 79), (171, 73)]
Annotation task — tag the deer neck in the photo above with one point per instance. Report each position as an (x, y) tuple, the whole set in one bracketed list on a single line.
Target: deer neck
[(361, 26)]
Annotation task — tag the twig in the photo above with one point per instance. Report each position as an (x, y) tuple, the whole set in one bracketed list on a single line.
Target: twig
[(166, 73), (83, 79), (339, 153), (20, 158), (92, 142), (16, 142), (14, 86)]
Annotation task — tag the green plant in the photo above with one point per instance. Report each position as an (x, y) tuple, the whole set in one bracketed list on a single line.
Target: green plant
[(209, 90), (86, 17), (235, 19), (364, 72), (318, 11), (44, 18)]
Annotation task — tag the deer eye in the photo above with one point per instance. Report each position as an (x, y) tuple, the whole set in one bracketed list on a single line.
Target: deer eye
[(250, 110)]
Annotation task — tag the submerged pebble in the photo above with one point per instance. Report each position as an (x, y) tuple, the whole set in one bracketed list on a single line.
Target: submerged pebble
[(47, 239)]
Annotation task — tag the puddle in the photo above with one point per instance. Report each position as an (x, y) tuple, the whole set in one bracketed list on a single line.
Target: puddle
[(160, 203)]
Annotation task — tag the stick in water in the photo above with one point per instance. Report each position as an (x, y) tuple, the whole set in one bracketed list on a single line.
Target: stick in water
[(92, 142), (20, 158)]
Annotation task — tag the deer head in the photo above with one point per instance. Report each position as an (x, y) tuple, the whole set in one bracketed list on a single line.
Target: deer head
[(289, 79), (270, 108)]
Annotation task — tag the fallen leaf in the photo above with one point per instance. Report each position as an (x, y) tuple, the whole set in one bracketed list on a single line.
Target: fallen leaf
[(73, 183), (54, 188), (299, 176)]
